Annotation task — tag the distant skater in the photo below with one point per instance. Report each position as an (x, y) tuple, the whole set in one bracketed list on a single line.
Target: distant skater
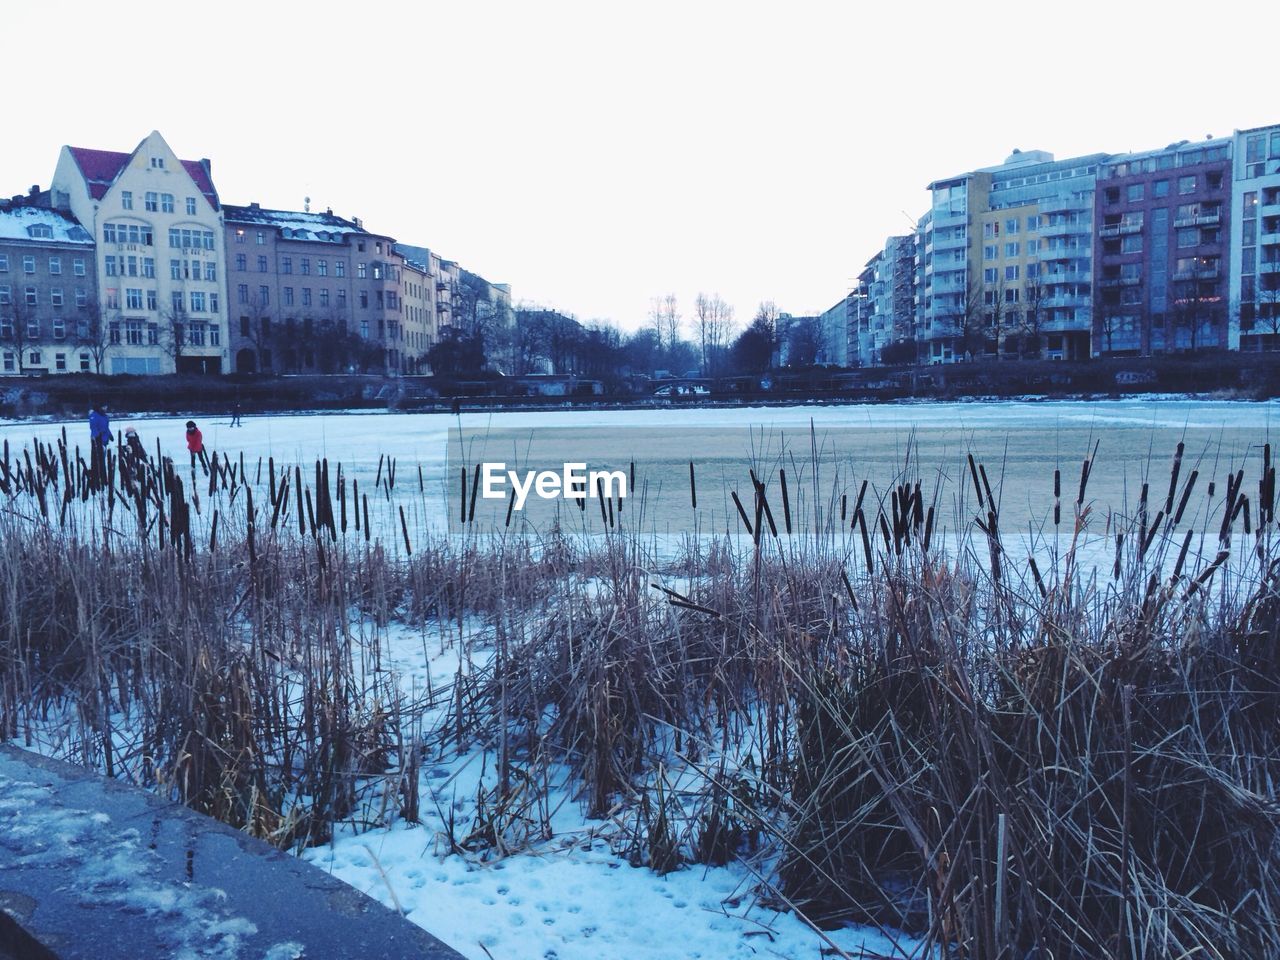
[(195, 445), (133, 445), (100, 426), (235, 415)]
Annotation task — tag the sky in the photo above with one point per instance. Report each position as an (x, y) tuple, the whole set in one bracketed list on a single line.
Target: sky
[(597, 155)]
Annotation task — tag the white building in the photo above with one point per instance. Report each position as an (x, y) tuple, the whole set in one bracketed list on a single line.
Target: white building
[(1254, 291), (161, 256)]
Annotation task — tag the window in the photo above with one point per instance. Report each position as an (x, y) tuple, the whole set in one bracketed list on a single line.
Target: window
[(210, 271), (989, 275), (1011, 272), (1011, 295), (6, 328), (339, 268), (342, 299), (377, 271), (286, 264), (55, 297), (306, 266), (109, 266), (242, 293), (264, 295), (55, 265), (82, 297), (306, 296), (1186, 185), (166, 202), (1135, 192), (1011, 227), (28, 264), (113, 298), (176, 302), (990, 251), (322, 267), (262, 238), (262, 264), (1213, 180), (6, 296), (239, 236), (197, 301), (151, 201), (30, 296), (1113, 194), (126, 200), (33, 329), (9, 364), (1033, 222), (324, 296), (287, 296), (152, 301), (133, 332), (59, 328), (1033, 271), (244, 326), (77, 266), (153, 334), (84, 363), (364, 298), (157, 163), (132, 266), (213, 302), (361, 270), (191, 206), (364, 329), (34, 358), (1011, 249), (1188, 237), (4, 263), (1131, 243), (215, 335), (1033, 246), (133, 298), (242, 262), (60, 362)]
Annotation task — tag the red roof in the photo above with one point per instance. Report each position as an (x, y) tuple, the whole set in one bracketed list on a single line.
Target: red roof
[(101, 167)]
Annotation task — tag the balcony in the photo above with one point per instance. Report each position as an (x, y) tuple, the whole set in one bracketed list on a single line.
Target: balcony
[(1074, 300), (1120, 281), (1271, 209), (1063, 230), (1200, 220), (1119, 229), (945, 218), (1197, 273), (1064, 253), (1269, 239), (1269, 266)]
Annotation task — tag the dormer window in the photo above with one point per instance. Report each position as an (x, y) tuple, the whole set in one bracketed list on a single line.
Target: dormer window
[(40, 231)]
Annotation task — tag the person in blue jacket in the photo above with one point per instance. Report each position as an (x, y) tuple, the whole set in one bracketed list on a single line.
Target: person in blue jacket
[(100, 425)]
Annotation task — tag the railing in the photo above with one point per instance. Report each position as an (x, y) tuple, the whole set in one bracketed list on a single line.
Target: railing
[(1119, 229), (1196, 273), (1120, 281), (1200, 219)]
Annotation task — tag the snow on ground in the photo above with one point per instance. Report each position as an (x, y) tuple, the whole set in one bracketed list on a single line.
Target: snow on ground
[(569, 898)]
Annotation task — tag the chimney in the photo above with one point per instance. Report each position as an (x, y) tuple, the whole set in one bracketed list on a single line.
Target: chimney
[(328, 211), (34, 191), (255, 205), (208, 166)]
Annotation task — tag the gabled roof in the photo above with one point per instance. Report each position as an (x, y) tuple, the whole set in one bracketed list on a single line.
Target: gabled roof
[(101, 167)]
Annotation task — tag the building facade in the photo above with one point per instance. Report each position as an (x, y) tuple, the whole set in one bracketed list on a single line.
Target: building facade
[(1161, 250), (48, 290), (312, 293), (1254, 287), (157, 225)]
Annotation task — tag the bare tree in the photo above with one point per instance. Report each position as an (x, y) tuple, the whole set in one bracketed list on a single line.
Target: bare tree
[(714, 321), (1033, 318), (93, 332), (19, 334), (1197, 312)]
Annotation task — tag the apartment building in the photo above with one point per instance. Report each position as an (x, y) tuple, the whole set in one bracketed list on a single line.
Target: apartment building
[(48, 290), (312, 293), (1161, 250), (418, 304), (1254, 284), (157, 227), (886, 285)]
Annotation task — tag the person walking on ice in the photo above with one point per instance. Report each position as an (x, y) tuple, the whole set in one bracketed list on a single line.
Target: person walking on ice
[(235, 415), (100, 426), (195, 444)]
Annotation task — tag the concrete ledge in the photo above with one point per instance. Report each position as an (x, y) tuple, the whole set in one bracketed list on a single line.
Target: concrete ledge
[(93, 868)]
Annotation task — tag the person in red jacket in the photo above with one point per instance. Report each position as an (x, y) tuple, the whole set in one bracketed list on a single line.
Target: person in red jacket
[(195, 444)]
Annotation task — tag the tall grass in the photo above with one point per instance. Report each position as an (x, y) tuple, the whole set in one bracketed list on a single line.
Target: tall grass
[(1012, 750)]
